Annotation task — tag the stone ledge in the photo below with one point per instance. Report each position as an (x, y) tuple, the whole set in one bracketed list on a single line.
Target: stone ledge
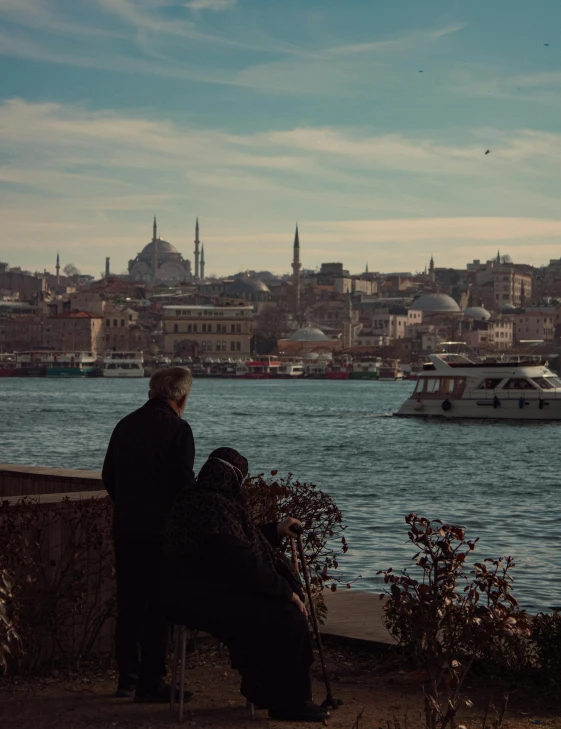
[(20, 480)]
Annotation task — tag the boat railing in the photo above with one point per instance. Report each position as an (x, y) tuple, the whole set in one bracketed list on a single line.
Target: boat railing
[(476, 394)]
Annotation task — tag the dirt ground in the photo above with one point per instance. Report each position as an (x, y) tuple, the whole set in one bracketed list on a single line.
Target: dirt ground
[(371, 684)]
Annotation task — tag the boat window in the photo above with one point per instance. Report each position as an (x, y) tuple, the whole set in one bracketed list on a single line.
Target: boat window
[(433, 384), (543, 383), (450, 386), (134, 366), (490, 383), (420, 386), (555, 381), (519, 383)]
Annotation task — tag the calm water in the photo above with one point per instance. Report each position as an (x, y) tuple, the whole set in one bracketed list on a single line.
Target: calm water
[(500, 480)]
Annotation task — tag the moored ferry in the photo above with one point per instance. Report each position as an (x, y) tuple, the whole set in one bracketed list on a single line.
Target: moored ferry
[(290, 370), (510, 388), (70, 364), (123, 364), (261, 369), (365, 370), (391, 371)]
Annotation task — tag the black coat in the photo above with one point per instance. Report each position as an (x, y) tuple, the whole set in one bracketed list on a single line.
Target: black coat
[(149, 460)]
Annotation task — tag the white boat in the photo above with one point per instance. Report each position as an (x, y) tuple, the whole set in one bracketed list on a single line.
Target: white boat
[(123, 364), (505, 388), (290, 370)]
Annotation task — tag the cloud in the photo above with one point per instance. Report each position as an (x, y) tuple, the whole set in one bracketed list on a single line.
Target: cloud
[(84, 176), (213, 5)]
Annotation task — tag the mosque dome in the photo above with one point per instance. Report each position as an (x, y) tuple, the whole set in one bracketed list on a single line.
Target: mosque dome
[(246, 287), (478, 313), (308, 334), (508, 309), (163, 247), (435, 303)]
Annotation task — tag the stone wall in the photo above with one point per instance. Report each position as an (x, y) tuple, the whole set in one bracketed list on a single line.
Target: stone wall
[(18, 480)]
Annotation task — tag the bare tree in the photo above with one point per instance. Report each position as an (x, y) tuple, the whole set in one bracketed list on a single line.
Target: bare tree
[(506, 258), (272, 322), (71, 270)]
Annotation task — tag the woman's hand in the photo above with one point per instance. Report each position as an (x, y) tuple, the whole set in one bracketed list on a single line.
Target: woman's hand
[(299, 604), (284, 527)]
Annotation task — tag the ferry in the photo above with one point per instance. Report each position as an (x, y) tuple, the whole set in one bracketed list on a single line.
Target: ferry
[(502, 388), (70, 364), (316, 370), (262, 369), (390, 371), (123, 364), (290, 370), (337, 371), (365, 370)]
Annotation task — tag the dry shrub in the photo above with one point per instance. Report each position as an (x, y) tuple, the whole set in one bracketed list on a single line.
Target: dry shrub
[(450, 615), (59, 559)]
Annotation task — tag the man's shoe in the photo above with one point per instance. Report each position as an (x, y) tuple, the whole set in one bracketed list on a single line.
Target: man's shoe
[(161, 695), (125, 691), (308, 711)]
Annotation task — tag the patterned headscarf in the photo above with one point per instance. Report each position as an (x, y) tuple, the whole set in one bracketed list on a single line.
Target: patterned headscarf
[(215, 505)]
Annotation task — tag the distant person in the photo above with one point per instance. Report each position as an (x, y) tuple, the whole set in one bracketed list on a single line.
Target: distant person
[(149, 460), (225, 577)]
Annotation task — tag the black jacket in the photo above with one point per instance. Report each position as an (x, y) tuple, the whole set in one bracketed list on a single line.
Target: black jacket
[(149, 459)]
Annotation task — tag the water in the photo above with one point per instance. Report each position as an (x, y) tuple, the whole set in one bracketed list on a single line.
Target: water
[(500, 480)]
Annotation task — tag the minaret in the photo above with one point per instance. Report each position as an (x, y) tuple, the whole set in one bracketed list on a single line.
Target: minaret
[(57, 269), (366, 267), (202, 262), (498, 258), (348, 325), (197, 243), (107, 267), (432, 275), (154, 251), (296, 266)]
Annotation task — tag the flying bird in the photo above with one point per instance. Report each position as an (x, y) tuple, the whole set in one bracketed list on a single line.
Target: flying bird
[(488, 151), (546, 44)]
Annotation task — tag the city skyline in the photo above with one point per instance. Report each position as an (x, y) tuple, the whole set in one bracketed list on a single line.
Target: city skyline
[(365, 123)]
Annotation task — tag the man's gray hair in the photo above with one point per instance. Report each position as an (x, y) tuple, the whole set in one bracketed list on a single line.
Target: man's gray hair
[(171, 383)]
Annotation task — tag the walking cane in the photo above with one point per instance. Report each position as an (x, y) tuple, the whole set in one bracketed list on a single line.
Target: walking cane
[(330, 702)]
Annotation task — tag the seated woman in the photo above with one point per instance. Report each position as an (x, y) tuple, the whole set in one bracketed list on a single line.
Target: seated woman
[(225, 578)]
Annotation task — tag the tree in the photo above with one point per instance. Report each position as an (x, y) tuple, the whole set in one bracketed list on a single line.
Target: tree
[(506, 258), (271, 323), (71, 270)]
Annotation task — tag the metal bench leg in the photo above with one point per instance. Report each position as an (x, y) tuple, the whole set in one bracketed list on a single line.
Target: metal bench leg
[(182, 672), (174, 663), (250, 708)]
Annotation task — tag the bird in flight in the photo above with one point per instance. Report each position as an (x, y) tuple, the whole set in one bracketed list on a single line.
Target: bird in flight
[(546, 44), (488, 151)]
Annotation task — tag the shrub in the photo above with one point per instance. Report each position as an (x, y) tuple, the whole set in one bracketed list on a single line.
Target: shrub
[(8, 634), (61, 588), (450, 616), (546, 637), (274, 499)]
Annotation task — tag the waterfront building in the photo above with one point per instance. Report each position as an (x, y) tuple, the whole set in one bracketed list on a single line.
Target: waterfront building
[(74, 331), (221, 331), (535, 324), (120, 326), (511, 286), (160, 262)]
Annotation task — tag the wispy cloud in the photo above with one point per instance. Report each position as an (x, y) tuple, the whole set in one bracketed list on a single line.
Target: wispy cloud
[(101, 175), (213, 5)]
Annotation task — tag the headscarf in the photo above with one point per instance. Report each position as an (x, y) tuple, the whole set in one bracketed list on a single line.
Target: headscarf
[(215, 505)]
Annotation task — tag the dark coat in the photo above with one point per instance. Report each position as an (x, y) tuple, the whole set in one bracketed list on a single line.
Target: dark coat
[(149, 460)]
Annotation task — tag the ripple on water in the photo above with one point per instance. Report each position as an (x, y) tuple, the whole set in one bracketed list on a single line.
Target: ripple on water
[(499, 480)]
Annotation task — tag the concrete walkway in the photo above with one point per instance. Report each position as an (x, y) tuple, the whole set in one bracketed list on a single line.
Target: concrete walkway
[(356, 616)]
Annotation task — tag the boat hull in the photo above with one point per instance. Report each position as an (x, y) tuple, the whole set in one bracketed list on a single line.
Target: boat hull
[(364, 376), (71, 371), (123, 373), (483, 409)]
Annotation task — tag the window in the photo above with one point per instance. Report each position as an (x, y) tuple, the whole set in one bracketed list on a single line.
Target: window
[(238, 328), (433, 384), (204, 346), (108, 322), (232, 346), (204, 328), (178, 312), (519, 383), (175, 328), (555, 381), (122, 322), (114, 322), (189, 327), (194, 327), (238, 346), (233, 328), (543, 383), (490, 383)]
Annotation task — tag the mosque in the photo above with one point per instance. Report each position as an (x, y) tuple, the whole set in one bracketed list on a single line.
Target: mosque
[(160, 262)]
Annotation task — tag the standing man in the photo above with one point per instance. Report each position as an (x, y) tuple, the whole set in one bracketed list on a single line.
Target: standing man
[(149, 460)]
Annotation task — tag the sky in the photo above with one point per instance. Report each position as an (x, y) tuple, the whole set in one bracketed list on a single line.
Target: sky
[(365, 121)]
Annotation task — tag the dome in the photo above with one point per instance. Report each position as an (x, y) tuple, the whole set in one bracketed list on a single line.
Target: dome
[(163, 247), (478, 313), (246, 287), (508, 309), (308, 334), (435, 303)]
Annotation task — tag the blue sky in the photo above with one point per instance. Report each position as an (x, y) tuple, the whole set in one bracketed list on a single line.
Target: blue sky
[(366, 121)]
